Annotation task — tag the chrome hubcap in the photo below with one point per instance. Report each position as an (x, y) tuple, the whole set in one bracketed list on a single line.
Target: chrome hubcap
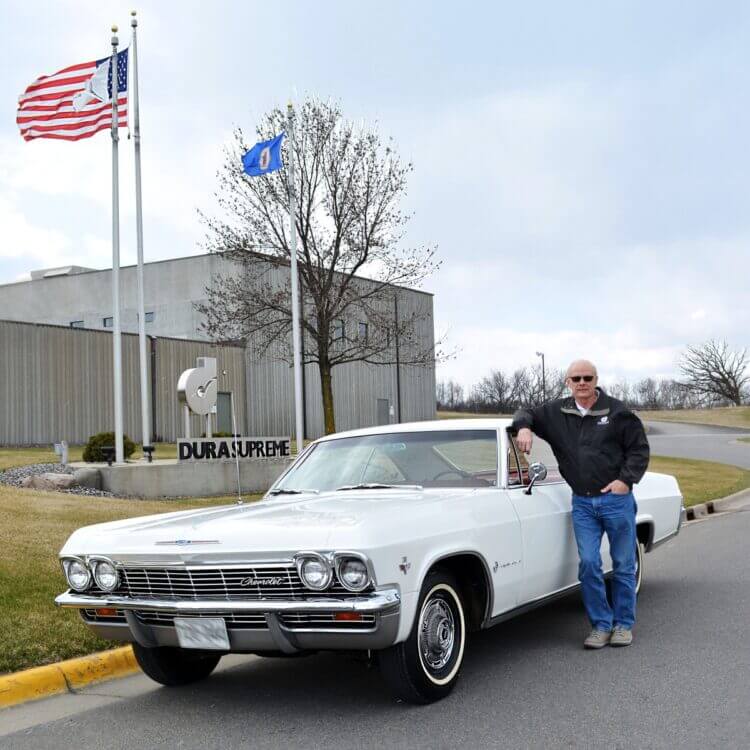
[(437, 633)]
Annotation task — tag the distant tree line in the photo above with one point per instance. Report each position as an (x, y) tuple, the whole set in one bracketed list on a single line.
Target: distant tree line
[(712, 374)]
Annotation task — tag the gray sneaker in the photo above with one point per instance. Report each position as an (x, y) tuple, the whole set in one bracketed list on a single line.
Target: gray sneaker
[(621, 636), (597, 639)]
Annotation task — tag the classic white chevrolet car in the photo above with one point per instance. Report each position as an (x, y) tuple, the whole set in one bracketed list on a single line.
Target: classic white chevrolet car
[(396, 540)]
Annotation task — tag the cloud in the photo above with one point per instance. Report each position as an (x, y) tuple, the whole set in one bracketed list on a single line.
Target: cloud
[(22, 239)]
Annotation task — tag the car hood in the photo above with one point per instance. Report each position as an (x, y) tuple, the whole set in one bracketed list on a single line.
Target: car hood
[(274, 525)]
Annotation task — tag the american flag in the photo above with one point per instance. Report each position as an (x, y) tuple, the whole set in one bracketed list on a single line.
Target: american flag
[(75, 102)]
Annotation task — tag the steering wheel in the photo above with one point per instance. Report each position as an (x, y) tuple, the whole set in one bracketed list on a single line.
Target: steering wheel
[(462, 474)]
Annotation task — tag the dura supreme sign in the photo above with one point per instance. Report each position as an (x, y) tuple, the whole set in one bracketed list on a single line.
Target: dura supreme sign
[(211, 449)]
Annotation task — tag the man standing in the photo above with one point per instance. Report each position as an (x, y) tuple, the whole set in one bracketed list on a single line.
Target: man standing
[(602, 451)]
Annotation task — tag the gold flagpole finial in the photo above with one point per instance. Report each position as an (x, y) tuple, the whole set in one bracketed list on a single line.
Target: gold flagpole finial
[(114, 28), (133, 20)]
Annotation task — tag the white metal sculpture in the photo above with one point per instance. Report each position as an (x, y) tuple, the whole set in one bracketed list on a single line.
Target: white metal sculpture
[(197, 391)]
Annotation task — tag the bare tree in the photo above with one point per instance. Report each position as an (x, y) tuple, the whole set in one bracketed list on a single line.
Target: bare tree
[(648, 393), (715, 371), (348, 189), (493, 392)]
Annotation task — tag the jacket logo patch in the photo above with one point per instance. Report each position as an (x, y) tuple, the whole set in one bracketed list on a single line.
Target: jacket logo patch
[(604, 420)]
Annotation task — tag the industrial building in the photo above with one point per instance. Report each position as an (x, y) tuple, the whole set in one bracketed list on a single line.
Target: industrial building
[(57, 374)]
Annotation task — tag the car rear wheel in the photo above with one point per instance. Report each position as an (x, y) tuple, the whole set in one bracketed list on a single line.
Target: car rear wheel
[(638, 567), (639, 554), (175, 666), (425, 667)]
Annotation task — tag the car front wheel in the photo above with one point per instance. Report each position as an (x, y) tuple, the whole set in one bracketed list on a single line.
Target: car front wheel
[(425, 667), (175, 666)]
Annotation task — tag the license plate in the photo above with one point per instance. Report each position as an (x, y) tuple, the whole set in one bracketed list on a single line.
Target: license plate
[(202, 632)]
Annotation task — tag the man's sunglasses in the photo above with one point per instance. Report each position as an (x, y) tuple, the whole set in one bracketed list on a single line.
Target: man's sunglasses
[(579, 378)]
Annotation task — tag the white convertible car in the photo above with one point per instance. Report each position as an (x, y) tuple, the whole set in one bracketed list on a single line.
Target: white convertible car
[(396, 540)]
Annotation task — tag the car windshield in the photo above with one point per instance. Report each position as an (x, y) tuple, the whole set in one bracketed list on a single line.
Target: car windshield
[(435, 458)]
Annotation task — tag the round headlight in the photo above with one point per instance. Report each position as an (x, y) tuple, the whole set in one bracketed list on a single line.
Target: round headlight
[(105, 575), (78, 575), (353, 574), (315, 573)]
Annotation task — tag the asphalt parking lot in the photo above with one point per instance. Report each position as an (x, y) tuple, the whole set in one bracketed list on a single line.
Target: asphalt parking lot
[(526, 683), (704, 442)]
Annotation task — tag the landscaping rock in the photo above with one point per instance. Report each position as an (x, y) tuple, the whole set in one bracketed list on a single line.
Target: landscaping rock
[(23, 476), (91, 478), (53, 482)]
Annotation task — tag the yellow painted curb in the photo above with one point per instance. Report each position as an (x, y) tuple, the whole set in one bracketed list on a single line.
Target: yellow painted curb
[(65, 676)]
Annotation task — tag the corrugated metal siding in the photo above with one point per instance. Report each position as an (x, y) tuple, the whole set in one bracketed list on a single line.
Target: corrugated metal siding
[(173, 356), (56, 384), (356, 387)]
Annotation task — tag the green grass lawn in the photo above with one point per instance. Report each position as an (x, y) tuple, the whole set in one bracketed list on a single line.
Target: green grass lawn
[(10, 457), (702, 480), (33, 527), (729, 416)]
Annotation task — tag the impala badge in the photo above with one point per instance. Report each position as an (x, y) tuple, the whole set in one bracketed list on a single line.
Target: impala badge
[(404, 565)]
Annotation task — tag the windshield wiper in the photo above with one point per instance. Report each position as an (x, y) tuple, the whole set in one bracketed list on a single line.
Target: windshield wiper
[(284, 491), (379, 486)]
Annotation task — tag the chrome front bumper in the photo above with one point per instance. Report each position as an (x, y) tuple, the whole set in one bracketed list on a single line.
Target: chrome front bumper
[(384, 605)]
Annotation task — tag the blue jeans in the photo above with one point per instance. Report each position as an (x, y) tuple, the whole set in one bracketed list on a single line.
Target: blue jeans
[(592, 517)]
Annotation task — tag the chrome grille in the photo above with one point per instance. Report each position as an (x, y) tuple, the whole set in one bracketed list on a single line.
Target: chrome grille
[(300, 621), (219, 583), (245, 621), (257, 621)]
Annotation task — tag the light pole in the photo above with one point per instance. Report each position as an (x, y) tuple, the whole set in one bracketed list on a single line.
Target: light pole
[(544, 383)]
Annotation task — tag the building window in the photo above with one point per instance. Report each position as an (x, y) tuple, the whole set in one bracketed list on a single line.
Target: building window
[(362, 332), (339, 331), (76, 324), (149, 316), (108, 322)]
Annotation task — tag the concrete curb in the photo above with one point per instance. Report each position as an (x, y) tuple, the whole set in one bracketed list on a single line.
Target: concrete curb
[(715, 506), (66, 676)]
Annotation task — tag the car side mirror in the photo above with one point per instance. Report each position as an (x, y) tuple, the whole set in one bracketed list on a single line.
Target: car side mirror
[(537, 473)]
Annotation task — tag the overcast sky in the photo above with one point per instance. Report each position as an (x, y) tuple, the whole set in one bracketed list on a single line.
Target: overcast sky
[(582, 167)]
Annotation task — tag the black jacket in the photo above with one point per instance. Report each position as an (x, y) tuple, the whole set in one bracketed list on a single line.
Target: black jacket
[(608, 443)]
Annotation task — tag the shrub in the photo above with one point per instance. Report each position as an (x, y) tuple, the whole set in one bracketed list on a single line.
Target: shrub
[(93, 450)]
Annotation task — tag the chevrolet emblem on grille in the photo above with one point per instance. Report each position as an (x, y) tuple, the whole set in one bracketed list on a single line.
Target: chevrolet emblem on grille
[(255, 581)]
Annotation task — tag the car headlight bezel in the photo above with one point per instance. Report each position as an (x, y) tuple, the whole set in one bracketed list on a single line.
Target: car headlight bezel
[(67, 563), (95, 564), (302, 558), (342, 558)]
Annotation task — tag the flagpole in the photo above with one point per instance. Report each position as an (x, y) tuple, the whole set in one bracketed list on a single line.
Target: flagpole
[(116, 338), (133, 87), (299, 434)]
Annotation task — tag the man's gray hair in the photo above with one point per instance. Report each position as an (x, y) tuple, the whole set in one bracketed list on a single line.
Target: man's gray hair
[(585, 363)]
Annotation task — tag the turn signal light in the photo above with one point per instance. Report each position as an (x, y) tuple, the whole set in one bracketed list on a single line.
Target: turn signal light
[(106, 612), (347, 616)]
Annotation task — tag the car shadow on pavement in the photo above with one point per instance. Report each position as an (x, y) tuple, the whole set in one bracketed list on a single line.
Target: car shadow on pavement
[(314, 683)]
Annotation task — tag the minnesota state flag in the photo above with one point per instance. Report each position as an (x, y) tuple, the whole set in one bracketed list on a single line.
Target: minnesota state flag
[(263, 157)]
